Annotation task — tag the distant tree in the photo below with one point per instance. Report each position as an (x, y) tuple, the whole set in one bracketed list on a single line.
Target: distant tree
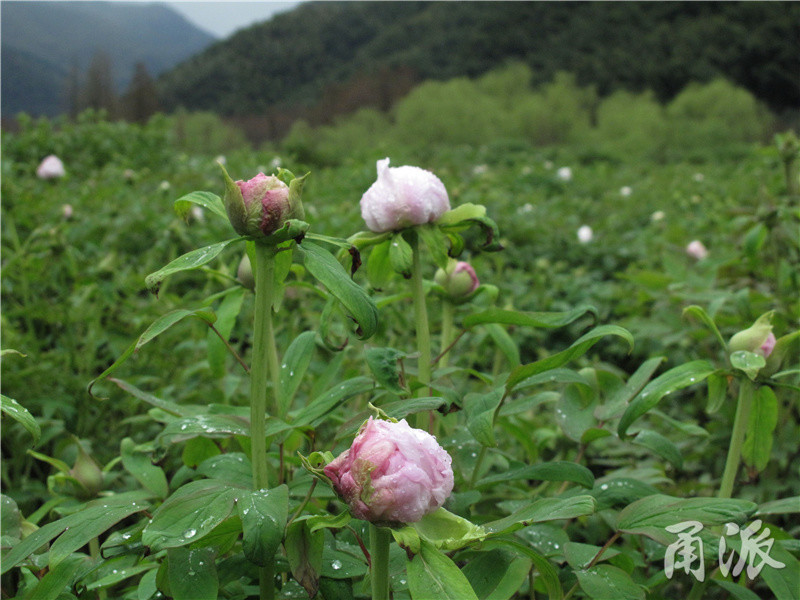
[(141, 100), (98, 92), (72, 91)]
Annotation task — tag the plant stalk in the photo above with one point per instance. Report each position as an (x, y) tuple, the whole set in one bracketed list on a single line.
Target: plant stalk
[(379, 540), (422, 329), (737, 437), (264, 365), (447, 332)]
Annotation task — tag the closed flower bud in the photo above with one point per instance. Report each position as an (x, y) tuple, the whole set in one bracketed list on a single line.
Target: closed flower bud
[(87, 472), (392, 473), (458, 280), (757, 338), (402, 197), (261, 206), (245, 273), (50, 168), (696, 250)]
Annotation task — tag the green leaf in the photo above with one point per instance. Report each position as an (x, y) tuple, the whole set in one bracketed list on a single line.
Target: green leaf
[(660, 445), (619, 400), (666, 383), (760, 427), (699, 313), (544, 509), (319, 407), (226, 315), (651, 515), (10, 517), (97, 516), (542, 320), (579, 556), (210, 426), (61, 576), (436, 242), (497, 574), (505, 342), (448, 531), (139, 464), (739, 592), (578, 348), (192, 573), (304, 551), (20, 414), (480, 410), (547, 572), (155, 329), (293, 369), (782, 582), (717, 391), (401, 257), (549, 471), (383, 362), (433, 576), (263, 514), (172, 408), (748, 362), (604, 582), (396, 410), (189, 513), (780, 507), (461, 213), (326, 269), (205, 199), (754, 240), (191, 260), (122, 574), (379, 266)]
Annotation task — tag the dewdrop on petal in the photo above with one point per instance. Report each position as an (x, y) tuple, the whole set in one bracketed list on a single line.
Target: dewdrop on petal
[(392, 473), (403, 197)]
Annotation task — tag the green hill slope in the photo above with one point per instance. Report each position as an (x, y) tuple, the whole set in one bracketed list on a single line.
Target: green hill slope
[(296, 57)]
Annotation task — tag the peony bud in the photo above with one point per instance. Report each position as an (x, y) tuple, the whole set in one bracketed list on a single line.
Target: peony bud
[(696, 250), (458, 280), (245, 273), (87, 472), (758, 338), (50, 168), (402, 197), (392, 473), (261, 206), (585, 234)]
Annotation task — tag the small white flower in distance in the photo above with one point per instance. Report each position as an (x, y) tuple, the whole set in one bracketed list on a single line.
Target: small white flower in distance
[(564, 174), (625, 191), (50, 168), (548, 164), (697, 250), (479, 169), (657, 216), (66, 211), (164, 186), (698, 177), (221, 159), (585, 234)]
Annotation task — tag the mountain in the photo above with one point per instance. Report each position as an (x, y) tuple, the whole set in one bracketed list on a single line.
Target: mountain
[(353, 48), (43, 42)]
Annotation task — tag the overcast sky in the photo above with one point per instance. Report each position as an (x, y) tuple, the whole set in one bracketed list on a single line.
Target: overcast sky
[(223, 18)]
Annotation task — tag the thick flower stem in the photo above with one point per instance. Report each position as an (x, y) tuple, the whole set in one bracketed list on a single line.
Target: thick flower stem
[(379, 540), (423, 331), (264, 364), (737, 437)]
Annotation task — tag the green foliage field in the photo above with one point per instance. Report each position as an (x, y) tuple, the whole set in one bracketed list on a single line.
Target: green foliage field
[(647, 178)]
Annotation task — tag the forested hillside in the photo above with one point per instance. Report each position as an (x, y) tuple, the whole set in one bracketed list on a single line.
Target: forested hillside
[(331, 57)]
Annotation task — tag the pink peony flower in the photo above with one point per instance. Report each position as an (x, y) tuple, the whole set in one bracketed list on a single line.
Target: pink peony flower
[(267, 200), (402, 197), (392, 473), (50, 168), (696, 250), (458, 280)]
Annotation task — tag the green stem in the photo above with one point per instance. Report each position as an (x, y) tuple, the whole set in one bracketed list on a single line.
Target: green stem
[(94, 552), (447, 332), (423, 332), (263, 365), (379, 539), (737, 437), (477, 469)]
